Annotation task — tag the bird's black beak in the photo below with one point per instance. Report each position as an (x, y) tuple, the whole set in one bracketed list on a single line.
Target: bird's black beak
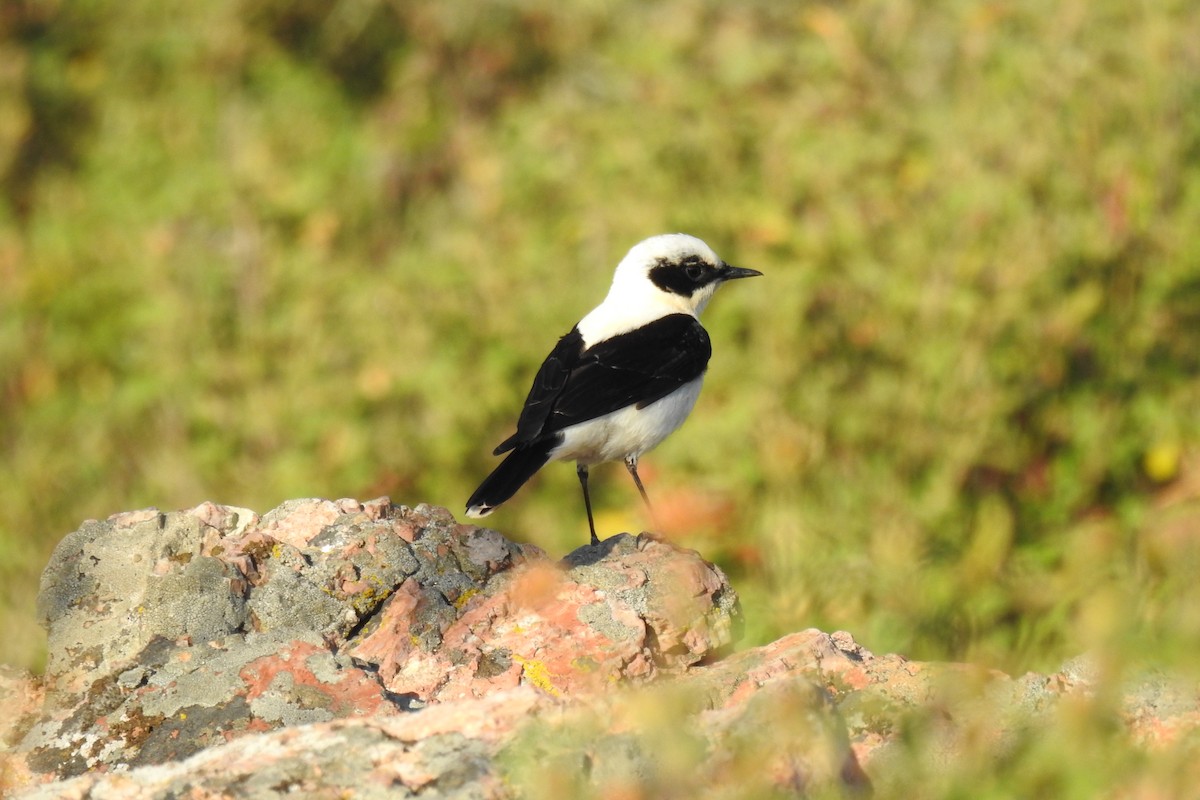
[(729, 273)]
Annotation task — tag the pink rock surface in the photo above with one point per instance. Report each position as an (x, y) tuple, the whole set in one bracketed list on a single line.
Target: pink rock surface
[(626, 609)]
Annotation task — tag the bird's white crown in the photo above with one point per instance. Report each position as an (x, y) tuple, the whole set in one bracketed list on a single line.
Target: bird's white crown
[(632, 281), (670, 248)]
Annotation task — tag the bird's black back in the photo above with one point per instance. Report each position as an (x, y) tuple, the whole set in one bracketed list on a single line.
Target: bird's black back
[(638, 367)]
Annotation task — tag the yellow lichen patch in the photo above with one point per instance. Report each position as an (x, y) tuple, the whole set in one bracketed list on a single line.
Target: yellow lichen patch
[(465, 598), (538, 674)]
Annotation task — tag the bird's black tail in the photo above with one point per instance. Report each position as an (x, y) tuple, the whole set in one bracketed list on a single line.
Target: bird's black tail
[(518, 467)]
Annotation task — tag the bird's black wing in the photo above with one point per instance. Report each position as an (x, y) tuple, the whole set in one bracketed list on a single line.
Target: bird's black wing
[(635, 368), (548, 384)]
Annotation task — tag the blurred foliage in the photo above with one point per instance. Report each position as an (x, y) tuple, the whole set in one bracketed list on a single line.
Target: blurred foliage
[(259, 249), (968, 740)]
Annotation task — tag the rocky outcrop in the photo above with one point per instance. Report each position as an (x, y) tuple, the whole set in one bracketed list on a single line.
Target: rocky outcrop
[(367, 649), (171, 633)]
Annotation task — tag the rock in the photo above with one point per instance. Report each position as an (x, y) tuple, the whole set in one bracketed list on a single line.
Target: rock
[(21, 701), (625, 609), (444, 751), (111, 587), (171, 633), (341, 648)]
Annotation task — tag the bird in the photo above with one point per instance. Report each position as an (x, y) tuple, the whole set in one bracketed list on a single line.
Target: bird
[(623, 378)]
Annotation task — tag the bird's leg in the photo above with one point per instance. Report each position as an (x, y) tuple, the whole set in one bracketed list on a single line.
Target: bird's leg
[(631, 465), (582, 472)]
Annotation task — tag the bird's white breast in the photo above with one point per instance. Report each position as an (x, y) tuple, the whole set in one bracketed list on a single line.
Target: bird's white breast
[(629, 431)]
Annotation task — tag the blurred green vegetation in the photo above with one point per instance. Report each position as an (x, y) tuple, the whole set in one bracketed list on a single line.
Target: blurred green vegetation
[(260, 249)]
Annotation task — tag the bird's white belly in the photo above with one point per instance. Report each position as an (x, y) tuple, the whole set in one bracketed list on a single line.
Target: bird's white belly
[(628, 432)]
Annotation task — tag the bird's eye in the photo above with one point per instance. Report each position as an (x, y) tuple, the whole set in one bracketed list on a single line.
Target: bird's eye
[(693, 271)]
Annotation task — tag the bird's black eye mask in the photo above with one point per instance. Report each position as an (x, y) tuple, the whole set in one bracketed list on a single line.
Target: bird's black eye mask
[(683, 277)]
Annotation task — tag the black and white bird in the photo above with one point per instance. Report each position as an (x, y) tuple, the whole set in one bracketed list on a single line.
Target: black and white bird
[(624, 378)]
